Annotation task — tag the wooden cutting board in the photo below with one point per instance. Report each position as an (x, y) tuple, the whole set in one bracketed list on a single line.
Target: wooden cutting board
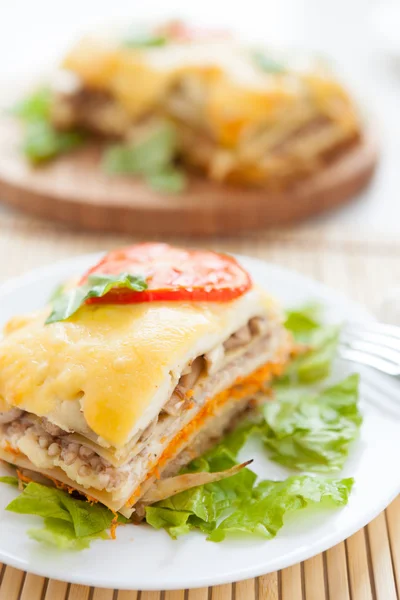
[(74, 190)]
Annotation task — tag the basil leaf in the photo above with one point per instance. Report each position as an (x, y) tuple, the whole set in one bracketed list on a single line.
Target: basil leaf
[(58, 291), (144, 41), (67, 303), (267, 63)]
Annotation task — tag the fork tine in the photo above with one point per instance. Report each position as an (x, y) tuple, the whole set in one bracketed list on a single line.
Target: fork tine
[(374, 349), (369, 394), (381, 391), (377, 338), (382, 328), (365, 358), (375, 345)]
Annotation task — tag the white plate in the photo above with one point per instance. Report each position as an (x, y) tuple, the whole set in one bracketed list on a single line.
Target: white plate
[(142, 558)]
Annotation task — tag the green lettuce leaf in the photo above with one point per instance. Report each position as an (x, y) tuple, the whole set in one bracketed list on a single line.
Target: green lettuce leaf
[(66, 304), (61, 534), (312, 431), (318, 342), (201, 507), (264, 513), (173, 521), (35, 107), (147, 156), (68, 522), (169, 181), (40, 500), (238, 503), (10, 480), (151, 157), (41, 140)]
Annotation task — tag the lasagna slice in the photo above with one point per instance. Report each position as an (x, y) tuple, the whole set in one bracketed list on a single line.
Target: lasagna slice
[(119, 395), (242, 115)]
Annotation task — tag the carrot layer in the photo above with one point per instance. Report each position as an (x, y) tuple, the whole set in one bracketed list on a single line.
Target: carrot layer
[(243, 386)]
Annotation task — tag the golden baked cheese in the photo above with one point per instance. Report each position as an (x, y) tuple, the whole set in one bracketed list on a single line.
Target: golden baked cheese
[(111, 367)]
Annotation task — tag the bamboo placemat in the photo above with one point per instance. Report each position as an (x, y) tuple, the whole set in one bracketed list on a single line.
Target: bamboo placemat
[(364, 567)]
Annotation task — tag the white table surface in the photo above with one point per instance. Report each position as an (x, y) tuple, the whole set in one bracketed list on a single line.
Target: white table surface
[(360, 36)]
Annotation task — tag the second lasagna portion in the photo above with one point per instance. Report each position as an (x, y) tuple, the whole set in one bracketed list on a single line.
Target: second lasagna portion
[(240, 114), (191, 369)]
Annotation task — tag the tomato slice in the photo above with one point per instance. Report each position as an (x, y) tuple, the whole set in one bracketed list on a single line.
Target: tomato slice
[(173, 274), (176, 31)]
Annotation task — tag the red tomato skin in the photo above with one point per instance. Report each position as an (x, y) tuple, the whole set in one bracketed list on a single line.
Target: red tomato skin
[(173, 274)]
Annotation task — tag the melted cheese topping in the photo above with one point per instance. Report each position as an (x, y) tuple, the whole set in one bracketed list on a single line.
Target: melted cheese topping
[(112, 367)]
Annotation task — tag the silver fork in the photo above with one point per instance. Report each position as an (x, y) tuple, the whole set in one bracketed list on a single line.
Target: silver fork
[(375, 345)]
